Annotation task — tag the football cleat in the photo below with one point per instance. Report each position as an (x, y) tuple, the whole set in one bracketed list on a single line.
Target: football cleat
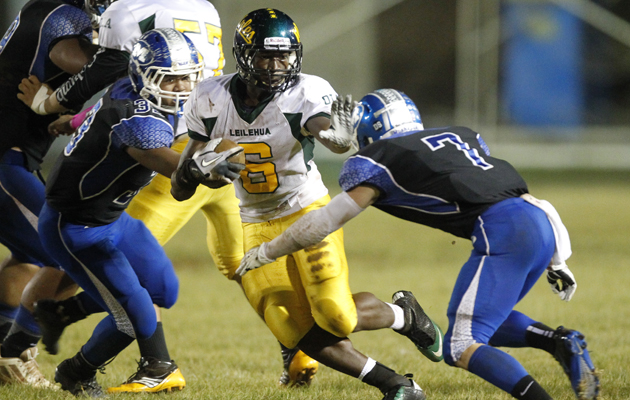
[(299, 369), (24, 369), (419, 328), (52, 320), (402, 392), (80, 386), (153, 376), (574, 358)]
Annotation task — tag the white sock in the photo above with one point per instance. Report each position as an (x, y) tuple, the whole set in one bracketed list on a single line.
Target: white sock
[(369, 365), (399, 317)]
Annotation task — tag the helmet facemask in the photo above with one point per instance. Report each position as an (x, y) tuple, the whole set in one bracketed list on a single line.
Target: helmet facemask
[(271, 80), (152, 78)]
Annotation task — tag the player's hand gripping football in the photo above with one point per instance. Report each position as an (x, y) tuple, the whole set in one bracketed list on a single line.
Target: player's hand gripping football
[(340, 132), (254, 258), (562, 281), (209, 168), (34, 94), (213, 169)]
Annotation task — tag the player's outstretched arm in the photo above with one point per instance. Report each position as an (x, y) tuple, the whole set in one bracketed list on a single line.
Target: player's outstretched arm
[(312, 228)]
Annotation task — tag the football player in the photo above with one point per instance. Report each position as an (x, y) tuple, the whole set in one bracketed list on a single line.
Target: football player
[(121, 25), (445, 178), (51, 40), (124, 140), (276, 113)]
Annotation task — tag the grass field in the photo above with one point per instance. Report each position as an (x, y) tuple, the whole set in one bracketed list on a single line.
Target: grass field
[(225, 351)]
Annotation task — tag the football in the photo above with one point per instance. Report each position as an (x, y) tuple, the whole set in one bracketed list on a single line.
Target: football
[(227, 144)]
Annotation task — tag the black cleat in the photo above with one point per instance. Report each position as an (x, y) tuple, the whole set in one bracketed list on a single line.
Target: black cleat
[(153, 376), (80, 385), (419, 328), (402, 392)]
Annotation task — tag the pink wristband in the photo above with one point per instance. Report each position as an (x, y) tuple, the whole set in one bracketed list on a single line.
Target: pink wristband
[(78, 119)]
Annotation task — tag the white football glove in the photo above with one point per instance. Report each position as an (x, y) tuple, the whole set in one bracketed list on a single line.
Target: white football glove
[(340, 132), (562, 281), (254, 258), (215, 166)]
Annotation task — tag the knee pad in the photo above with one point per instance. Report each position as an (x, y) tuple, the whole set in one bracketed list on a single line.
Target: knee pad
[(335, 318), (170, 291)]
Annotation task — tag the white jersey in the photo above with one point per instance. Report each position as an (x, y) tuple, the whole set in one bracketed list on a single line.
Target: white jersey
[(125, 21), (281, 177)]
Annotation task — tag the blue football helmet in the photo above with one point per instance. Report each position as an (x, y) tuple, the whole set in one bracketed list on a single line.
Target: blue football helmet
[(383, 113), (262, 30), (160, 52), (96, 8)]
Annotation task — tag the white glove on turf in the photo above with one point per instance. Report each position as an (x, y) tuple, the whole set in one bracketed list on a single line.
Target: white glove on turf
[(254, 258), (561, 280), (340, 132)]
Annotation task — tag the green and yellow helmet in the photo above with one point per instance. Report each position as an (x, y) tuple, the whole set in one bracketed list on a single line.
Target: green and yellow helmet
[(262, 30)]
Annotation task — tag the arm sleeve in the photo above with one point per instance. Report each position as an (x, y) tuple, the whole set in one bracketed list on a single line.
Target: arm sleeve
[(105, 68), (142, 132), (313, 227)]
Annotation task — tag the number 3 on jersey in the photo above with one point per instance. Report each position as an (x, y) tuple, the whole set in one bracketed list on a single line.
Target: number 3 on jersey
[(259, 177)]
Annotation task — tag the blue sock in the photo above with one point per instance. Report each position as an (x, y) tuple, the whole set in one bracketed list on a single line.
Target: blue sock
[(512, 332), (7, 315), (496, 367)]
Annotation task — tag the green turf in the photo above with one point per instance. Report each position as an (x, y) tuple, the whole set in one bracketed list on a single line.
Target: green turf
[(226, 352)]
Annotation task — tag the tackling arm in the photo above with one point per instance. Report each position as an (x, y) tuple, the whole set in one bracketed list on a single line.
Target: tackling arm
[(312, 228)]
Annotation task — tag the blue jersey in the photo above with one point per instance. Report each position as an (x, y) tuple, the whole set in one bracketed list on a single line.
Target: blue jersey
[(443, 178), (94, 179), (24, 50)]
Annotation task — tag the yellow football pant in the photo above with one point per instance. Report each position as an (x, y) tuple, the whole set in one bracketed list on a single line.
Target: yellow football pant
[(165, 216), (303, 288)]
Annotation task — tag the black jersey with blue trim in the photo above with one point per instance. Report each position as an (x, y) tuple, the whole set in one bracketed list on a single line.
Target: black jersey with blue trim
[(24, 50), (443, 178), (94, 179)]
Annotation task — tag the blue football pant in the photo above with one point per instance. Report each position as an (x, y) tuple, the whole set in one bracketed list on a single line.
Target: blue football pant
[(513, 243), (122, 267)]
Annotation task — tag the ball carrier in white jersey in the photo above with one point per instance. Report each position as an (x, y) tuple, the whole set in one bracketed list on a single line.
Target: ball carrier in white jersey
[(276, 114)]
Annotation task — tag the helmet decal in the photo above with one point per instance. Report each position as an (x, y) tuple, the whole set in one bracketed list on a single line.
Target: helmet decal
[(384, 113), (245, 30)]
